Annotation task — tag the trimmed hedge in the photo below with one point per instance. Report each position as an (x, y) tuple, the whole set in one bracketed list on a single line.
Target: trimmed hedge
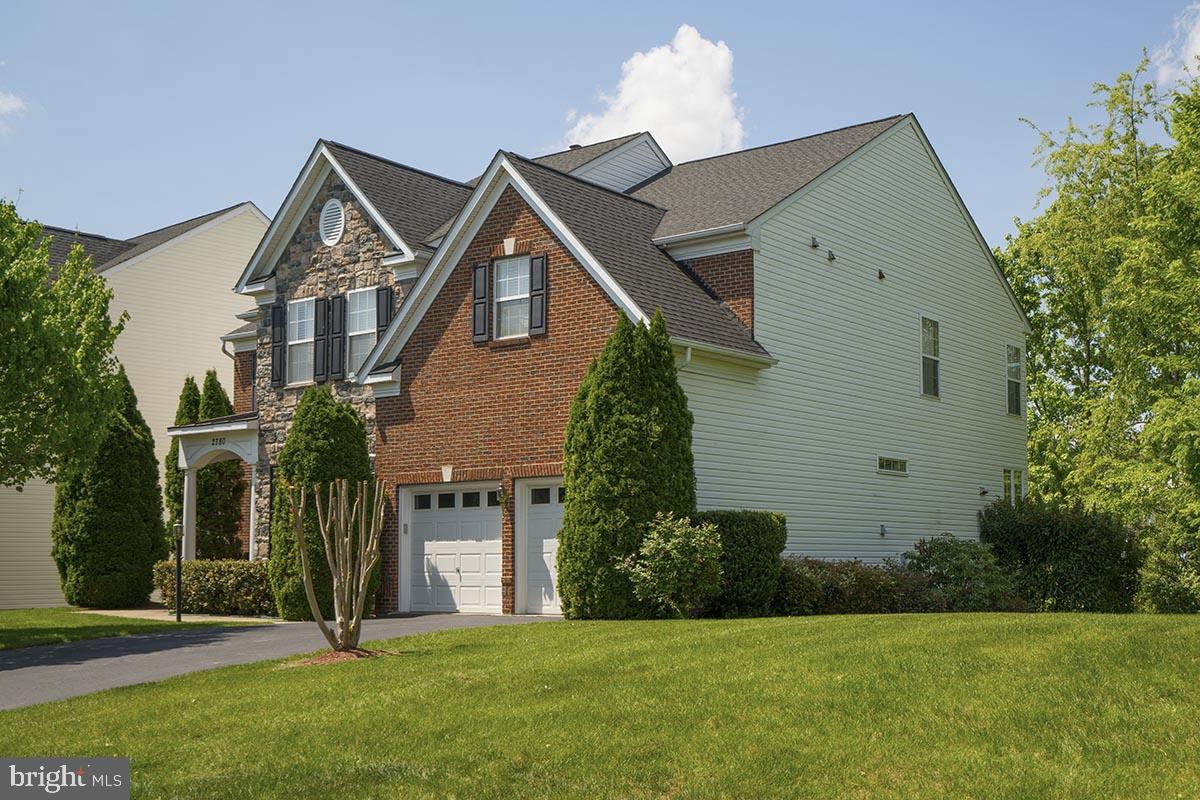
[(751, 542), (812, 586), (1064, 559), (220, 586)]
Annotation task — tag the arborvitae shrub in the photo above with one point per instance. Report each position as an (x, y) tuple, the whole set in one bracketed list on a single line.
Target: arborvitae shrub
[(326, 441), (108, 516), (186, 413), (627, 457), (219, 486)]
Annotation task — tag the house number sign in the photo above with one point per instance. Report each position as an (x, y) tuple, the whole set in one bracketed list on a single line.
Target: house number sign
[(218, 441)]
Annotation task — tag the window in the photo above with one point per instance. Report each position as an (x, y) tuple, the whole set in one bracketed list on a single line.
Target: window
[(360, 327), (446, 500), (493, 499), (422, 502), (540, 497), (470, 499), (930, 360), (512, 297), (562, 495), (300, 341), (1015, 378), (893, 466), (1014, 485)]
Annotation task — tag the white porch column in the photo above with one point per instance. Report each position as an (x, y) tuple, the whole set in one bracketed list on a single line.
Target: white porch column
[(189, 514), (253, 515)]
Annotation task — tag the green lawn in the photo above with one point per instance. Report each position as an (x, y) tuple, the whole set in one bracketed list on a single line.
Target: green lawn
[(954, 706), (29, 626)]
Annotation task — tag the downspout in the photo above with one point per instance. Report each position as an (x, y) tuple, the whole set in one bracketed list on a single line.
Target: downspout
[(687, 359), (226, 352)]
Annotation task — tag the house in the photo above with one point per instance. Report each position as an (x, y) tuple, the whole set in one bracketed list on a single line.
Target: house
[(175, 284), (849, 348)]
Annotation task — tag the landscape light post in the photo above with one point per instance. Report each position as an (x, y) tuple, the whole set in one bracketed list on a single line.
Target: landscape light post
[(178, 571)]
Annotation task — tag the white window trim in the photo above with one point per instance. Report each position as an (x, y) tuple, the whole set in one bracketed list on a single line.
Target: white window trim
[(311, 380), (921, 317), (497, 300), (351, 374), (1021, 349), (891, 472), (1017, 490)]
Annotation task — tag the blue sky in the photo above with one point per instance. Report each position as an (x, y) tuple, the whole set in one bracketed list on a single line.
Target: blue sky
[(118, 118)]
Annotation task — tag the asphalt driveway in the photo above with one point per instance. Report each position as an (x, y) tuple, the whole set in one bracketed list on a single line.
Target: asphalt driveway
[(34, 675)]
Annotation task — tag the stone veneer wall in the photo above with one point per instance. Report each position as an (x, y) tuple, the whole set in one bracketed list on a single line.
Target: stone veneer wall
[(309, 268)]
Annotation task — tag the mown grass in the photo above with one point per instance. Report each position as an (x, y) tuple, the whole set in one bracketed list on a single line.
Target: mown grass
[(1012, 706), (25, 627)]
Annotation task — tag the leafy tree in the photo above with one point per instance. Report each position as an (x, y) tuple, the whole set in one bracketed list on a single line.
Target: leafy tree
[(219, 486), (108, 519), (56, 334), (186, 413), (326, 442), (626, 457)]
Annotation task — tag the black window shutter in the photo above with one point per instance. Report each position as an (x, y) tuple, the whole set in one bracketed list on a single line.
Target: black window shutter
[(479, 303), (383, 308), (321, 340), (337, 337), (278, 344), (537, 295)]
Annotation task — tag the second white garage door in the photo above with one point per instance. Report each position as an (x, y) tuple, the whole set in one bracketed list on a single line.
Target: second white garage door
[(456, 550)]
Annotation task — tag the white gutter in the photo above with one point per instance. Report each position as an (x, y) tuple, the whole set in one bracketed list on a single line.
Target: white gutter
[(665, 241), (725, 352)]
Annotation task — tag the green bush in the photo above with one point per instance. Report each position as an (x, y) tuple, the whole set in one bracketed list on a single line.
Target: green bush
[(1064, 559), (327, 441), (1169, 582), (751, 542), (964, 573), (108, 516), (627, 456), (219, 486), (187, 411), (223, 586), (812, 586), (677, 569)]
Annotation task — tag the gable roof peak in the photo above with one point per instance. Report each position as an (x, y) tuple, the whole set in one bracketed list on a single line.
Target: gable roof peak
[(624, 196), (358, 151)]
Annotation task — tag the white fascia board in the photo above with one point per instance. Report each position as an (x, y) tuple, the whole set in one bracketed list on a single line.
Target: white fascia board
[(499, 175), (725, 353), (722, 230), (236, 211), (222, 427)]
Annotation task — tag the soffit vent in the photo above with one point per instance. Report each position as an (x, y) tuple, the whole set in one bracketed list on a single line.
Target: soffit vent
[(333, 222)]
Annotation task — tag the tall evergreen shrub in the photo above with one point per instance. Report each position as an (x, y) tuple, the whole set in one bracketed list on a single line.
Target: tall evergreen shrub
[(627, 456), (108, 515), (219, 487), (327, 441), (186, 413)]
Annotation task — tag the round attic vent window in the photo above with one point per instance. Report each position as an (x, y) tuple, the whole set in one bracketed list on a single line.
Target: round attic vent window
[(333, 222)]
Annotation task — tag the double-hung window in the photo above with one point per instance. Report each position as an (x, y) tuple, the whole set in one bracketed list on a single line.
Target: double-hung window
[(930, 360), (300, 333), (1014, 485), (360, 327), (511, 303), (1015, 379)]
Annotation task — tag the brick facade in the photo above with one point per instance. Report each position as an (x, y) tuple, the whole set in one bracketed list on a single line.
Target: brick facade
[(495, 410), (730, 276), (243, 400)]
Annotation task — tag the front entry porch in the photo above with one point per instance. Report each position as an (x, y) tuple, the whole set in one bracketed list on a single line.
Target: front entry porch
[(207, 442)]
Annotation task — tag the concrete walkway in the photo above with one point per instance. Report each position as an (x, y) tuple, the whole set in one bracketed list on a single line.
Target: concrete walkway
[(34, 675)]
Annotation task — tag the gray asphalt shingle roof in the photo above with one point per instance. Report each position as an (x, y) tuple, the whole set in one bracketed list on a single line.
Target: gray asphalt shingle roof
[(571, 159), (617, 230), (413, 202), (737, 187)]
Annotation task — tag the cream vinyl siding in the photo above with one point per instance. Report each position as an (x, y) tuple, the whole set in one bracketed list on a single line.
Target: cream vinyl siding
[(180, 301), (804, 436), (628, 168)]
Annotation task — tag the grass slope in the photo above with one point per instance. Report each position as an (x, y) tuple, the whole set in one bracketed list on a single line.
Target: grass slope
[(1013, 706), (26, 627)]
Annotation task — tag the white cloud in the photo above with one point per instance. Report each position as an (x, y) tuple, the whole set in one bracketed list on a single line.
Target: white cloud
[(1175, 60), (681, 92), (10, 104)]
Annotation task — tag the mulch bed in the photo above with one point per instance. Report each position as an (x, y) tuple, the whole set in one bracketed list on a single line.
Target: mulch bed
[(338, 656)]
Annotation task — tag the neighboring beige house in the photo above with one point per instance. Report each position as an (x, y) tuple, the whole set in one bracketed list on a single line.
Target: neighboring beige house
[(175, 284)]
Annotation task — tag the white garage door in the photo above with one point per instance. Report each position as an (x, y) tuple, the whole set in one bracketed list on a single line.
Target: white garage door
[(456, 550), (543, 519)]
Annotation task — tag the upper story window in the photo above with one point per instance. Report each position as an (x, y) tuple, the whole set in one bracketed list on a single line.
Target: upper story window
[(511, 297), (300, 331), (930, 360), (1016, 377), (1014, 485), (361, 326)]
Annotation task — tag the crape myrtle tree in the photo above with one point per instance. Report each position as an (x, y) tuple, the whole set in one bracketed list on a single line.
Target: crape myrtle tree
[(108, 516), (627, 456), (326, 442), (57, 335)]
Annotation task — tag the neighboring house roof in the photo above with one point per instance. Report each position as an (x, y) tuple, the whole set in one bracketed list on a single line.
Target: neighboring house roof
[(241, 332), (578, 155), (736, 187), (414, 202), (617, 230), (107, 253)]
